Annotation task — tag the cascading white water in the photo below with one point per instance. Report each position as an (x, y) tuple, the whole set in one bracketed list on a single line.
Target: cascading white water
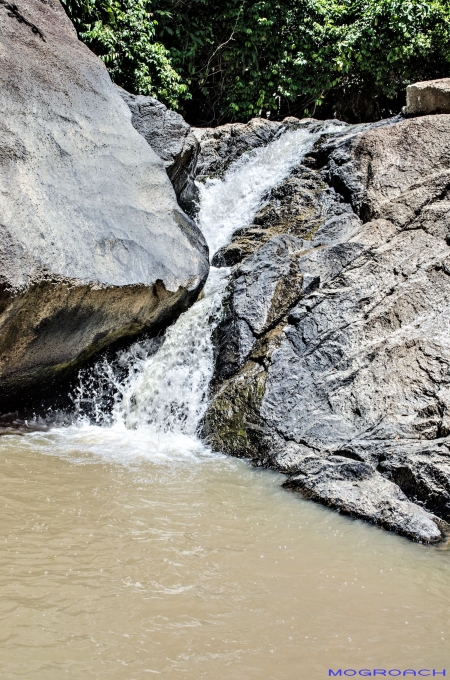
[(231, 203), (159, 397), (167, 392)]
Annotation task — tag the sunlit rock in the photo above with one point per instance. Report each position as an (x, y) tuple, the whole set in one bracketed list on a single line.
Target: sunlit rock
[(429, 96), (94, 247)]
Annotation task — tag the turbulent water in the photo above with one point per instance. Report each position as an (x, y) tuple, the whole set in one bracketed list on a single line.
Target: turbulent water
[(130, 549), (161, 396), (226, 205)]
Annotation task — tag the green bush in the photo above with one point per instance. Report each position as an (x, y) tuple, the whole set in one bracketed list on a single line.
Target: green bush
[(240, 58), (122, 34), (244, 58)]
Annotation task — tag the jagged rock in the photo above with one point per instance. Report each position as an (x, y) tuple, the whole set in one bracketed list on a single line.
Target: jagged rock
[(429, 96), (356, 489), (359, 367), (171, 137), (94, 245), (268, 283)]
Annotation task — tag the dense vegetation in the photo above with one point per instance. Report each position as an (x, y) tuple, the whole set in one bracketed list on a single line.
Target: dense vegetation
[(221, 60)]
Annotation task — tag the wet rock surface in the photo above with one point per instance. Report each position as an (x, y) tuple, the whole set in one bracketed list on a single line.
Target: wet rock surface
[(333, 352), (94, 245)]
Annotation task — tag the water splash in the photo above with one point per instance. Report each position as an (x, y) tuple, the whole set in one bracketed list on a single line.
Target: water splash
[(149, 400), (232, 202)]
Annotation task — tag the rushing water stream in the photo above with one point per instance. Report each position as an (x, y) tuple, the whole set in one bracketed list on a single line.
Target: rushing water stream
[(130, 549)]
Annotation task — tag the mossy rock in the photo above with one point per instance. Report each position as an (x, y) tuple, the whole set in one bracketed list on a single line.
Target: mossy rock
[(232, 423)]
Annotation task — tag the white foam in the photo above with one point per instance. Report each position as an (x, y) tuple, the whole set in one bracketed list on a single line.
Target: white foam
[(232, 202), (161, 399), (85, 443)]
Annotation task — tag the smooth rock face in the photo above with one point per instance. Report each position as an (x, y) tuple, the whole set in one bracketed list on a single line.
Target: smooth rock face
[(429, 96), (94, 245), (171, 137), (349, 391)]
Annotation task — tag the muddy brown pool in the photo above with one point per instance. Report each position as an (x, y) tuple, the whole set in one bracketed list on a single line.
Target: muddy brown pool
[(116, 564)]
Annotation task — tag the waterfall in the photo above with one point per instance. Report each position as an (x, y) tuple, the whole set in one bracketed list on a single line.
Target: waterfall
[(232, 202), (168, 391), (149, 401)]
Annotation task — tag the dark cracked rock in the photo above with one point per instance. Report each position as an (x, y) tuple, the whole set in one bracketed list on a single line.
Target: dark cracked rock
[(173, 140), (341, 376)]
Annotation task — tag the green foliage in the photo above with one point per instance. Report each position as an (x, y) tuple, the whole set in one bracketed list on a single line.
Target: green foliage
[(244, 57), (122, 34), (240, 58)]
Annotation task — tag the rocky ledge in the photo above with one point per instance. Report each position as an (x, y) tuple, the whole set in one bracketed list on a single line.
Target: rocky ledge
[(333, 352)]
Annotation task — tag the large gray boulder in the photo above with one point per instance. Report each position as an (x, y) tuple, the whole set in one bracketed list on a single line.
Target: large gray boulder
[(342, 379), (428, 96), (173, 140), (94, 247)]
